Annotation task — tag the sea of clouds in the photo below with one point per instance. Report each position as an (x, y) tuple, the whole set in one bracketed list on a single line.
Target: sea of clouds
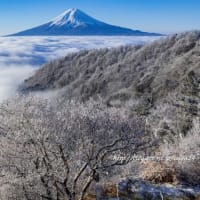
[(21, 56)]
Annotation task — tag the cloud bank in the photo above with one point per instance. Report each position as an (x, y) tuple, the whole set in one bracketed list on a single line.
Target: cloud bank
[(11, 77), (20, 56)]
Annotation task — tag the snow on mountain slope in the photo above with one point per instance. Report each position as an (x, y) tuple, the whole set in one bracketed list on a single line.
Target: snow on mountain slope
[(76, 22), (74, 18)]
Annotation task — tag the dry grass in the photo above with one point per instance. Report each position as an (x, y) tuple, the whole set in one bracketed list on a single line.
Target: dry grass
[(159, 172), (90, 197), (180, 163), (107, 190), (110, 190), (186, 151)]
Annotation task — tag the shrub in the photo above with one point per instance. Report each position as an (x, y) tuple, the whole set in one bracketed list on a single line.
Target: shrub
[(185, 155)]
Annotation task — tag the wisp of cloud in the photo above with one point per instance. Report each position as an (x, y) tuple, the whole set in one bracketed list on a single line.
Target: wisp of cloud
[(11, 77)]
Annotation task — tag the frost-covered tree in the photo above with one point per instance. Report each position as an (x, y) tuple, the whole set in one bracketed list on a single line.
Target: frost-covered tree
[(56, 151)]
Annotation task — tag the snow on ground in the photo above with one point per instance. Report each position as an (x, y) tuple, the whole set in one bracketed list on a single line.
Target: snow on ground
[(20, 56)]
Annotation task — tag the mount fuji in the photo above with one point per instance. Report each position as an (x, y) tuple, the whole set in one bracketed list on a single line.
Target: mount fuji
[(77, 23)]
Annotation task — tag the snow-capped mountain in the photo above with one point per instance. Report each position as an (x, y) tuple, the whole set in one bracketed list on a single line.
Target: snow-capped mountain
[(76, 22)]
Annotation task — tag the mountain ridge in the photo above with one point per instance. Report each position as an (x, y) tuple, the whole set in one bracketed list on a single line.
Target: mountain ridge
[(76, 22), (161, 77), (129, 70)]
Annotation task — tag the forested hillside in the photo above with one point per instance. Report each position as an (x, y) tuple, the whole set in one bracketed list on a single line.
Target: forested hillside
[(150, 80), (128, 113)]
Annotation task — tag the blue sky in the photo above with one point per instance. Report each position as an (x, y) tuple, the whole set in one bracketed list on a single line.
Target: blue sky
[(165, 16)]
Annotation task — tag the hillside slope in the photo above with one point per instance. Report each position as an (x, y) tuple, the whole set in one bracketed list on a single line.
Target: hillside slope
[(125, 72), (158, 80)]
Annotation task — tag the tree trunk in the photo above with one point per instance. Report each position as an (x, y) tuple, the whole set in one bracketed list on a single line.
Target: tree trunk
[(72, 196)]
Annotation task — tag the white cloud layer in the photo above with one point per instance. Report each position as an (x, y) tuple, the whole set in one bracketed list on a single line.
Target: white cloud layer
[(11, 77), (20, 56)]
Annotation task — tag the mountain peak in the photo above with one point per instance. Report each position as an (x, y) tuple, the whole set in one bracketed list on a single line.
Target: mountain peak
[(71, 11), (75, 22), (73, 17)]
